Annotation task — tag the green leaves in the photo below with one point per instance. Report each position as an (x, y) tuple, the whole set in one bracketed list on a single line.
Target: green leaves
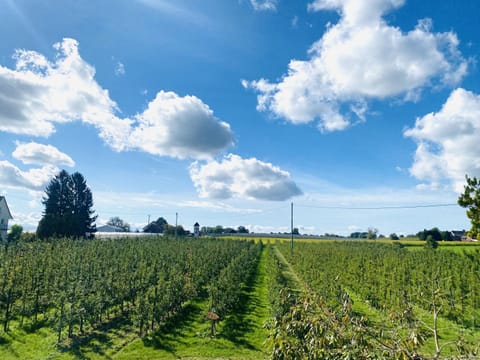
[(75, 286), (470, 199), (399, 283)]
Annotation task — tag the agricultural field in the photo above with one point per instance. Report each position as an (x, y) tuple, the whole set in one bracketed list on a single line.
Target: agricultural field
[(161, 298)]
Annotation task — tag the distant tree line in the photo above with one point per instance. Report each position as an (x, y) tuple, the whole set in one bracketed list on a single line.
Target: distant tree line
[(161, 226), (370, 234), (219, 229), (435, 234)]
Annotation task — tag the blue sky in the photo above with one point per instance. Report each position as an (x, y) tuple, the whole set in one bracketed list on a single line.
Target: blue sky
[(362, 114)]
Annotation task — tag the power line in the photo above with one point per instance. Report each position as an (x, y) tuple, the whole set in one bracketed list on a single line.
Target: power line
[(376, 207)]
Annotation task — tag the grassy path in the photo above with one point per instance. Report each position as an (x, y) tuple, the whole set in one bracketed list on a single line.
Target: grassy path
[(295, 283), (239, 336)]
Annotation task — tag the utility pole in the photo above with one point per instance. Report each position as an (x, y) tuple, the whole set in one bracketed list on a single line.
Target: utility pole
[(291, 227), (176, 224), (148, 221)]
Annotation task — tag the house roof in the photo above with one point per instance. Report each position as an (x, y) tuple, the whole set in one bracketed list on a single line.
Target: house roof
[(2, 199), (109, 228)]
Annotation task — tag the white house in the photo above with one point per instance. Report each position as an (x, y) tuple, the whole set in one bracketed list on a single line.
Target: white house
[(5, 215)]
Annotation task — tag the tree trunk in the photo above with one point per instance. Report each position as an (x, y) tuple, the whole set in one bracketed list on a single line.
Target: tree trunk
[(8, 307)]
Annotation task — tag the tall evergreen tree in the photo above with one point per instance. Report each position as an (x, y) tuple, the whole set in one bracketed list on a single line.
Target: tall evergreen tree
[(82, 205), (68, 207)]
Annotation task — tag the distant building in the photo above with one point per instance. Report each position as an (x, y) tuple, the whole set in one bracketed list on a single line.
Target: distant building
[(196, 229), (457, 235), (5, 215), (109, 228)]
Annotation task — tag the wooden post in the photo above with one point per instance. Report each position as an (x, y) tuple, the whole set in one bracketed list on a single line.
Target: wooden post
[(213, 317)]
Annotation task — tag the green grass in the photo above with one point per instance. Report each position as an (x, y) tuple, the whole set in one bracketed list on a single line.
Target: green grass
[(18, 344), (101, 343)]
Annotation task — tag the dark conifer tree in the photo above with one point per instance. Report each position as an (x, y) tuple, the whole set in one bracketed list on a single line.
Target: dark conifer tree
[(82, 201), (68, 207)]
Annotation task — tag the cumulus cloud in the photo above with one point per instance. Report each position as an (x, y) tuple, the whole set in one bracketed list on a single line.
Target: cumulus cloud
[(33, 179), (448, 147), (235, 177), (264, 5), (38, 154), (179, 127), (38, 94), (358, 59)]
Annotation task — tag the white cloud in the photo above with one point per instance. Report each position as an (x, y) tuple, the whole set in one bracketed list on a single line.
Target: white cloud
[(119, 69), (38, 94), (179, 127), (33, 179), (37, 154), (358, 59), (262, 5), (235, 177), (355, 11), (29, 221), (448, 141)]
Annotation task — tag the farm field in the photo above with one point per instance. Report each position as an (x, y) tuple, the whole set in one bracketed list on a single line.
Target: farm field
[(159, 298)]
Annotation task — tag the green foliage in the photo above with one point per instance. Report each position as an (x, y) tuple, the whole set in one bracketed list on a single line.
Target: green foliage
[(15, 233), (219, 229), (225, 291), (28, 237), (446, 235), (394, 236), (372, 233), (394, 281), (434, 233), (281, 296), (156, 227), (74, 286), (431, 243), (312, 329), (470, 199), (208, 230), (80, 290), (68, 208), (171, 230), (242, 230), (359, 235)]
